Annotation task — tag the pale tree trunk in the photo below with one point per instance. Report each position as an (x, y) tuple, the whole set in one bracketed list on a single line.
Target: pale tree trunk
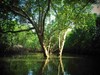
[(46, 52), (47, 48), (62, 42)]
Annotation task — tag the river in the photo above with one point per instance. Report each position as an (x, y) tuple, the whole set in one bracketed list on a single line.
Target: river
[(35, 64)]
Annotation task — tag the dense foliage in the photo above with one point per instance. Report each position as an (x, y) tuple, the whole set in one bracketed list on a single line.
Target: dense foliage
[(73, 26)]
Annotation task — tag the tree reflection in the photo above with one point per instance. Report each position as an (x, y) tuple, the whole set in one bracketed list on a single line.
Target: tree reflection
[(60, 67), (49, 67), (45, 64), (53, 66), (61, 70)]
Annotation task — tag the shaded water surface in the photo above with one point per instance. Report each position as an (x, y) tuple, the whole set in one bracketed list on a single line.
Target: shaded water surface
[(35, 64)]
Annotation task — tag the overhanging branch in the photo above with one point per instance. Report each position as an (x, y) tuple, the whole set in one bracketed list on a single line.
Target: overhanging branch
[(17, 31), (16, 12), (22, 13)]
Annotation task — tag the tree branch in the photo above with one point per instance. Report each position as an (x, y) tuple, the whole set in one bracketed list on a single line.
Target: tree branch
[(22, 13), (46, 11), (16, 12), (17, 31)]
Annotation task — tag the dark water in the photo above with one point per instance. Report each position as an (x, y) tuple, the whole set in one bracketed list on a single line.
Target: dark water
[(35, 64)]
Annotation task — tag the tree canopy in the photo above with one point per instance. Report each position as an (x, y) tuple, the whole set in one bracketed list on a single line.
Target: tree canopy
[(72, 18)]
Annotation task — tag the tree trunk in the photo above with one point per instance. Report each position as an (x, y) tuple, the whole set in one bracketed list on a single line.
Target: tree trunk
[(61, 42), (44, 49)]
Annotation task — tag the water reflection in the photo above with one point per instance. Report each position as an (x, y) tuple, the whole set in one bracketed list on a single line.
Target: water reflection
[(64, 72), (51, 66), (54, 67)]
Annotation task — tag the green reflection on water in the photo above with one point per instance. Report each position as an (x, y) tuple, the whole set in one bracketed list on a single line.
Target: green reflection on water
[(35, 64)]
